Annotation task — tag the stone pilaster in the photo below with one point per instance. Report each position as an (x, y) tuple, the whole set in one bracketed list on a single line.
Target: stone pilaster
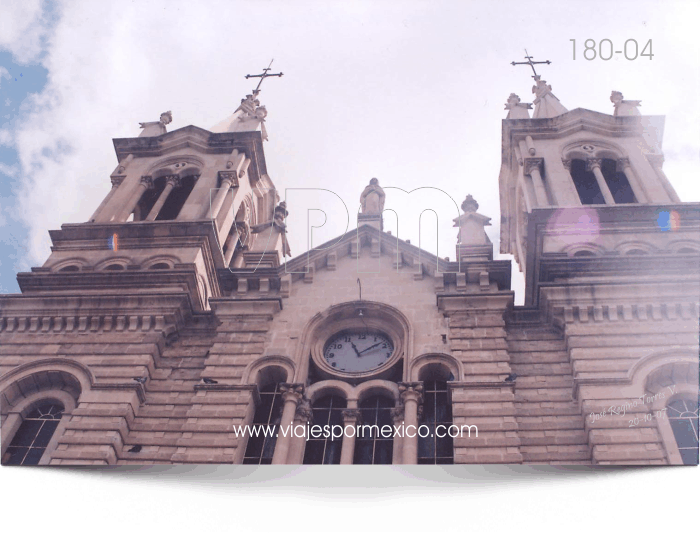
[(483, 397)]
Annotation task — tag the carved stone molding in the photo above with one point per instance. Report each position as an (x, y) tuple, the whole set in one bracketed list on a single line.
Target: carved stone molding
[(625, 312), (174, 180), (229, 176), (623, 163), (411, 391), (397, 414), (532, 164), (117, 180), (351, 416), (84, 324), (147, 181), (567, 163), (593, 163), (303, 412), (293, 392)]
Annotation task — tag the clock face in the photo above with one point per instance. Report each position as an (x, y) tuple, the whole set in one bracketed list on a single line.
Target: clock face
[(357, 352)]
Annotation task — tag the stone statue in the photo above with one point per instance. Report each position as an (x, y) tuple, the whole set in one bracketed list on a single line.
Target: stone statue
[(624, 108), (151, 129), (248, 105), (280, 215), (278, 222), (516, 109), (372, 198), (546, 104), (252, 113)]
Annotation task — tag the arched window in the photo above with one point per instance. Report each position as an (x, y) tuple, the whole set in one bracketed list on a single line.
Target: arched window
[(172, 204), (588, 188), (683, 416), (586, 184), (371, 445), (176, 200), (327, 413), (268, 414), (29, 443), (437, 446), (617, 182)]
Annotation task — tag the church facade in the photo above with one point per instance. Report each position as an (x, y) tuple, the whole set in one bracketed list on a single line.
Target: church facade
[(175, 327)]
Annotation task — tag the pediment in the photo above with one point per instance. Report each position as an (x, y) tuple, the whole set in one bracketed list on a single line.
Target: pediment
[(366, 241)]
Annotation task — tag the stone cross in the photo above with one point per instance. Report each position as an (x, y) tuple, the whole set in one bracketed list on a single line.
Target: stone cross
[(530, 62), (265, 74)]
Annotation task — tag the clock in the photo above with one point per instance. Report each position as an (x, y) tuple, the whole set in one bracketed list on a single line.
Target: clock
[(358, 351)]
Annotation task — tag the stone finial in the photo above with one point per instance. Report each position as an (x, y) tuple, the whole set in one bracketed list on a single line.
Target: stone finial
[(546, 104), (372, 198), (516, 110), (472, 242), (249, 115), (470, 205), (624, 108), (152, 129)]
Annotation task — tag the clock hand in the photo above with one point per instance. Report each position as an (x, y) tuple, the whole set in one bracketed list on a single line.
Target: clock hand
[(355, 349), (365, 350)]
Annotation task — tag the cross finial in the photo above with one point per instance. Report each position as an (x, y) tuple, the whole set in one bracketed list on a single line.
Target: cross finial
[(530, 62), (265, 74)]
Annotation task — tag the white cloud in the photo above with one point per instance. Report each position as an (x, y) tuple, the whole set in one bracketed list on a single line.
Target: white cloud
[(22, 28), (401, 92), (9, 170), (5, 137)]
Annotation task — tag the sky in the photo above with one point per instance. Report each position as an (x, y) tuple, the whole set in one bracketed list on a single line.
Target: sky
[(410, 92)]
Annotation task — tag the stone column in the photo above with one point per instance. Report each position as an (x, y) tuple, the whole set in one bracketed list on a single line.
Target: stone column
[(229, 179), (412, 396), (593, 165), (351, 416), (291, 395), (170, 183), (230, 246), (533, 167), (116, 182), (397, 414), (656, 161), (301, 417), (637, 188), (145, 183)]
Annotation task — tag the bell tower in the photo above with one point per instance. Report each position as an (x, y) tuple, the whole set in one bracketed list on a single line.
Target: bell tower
[(184, 205), (582, 184)]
